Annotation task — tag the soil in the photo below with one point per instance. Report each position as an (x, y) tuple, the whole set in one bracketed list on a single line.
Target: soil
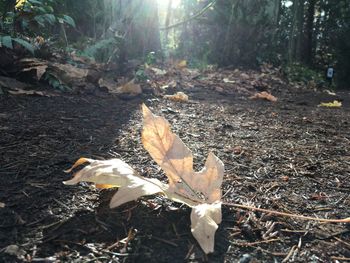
[(289, 156)]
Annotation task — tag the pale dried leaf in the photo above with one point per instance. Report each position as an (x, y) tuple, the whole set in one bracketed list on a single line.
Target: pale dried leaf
[(209, 180), (2, 205), (120, 174), (227, 80), (173, 156), (204, 223), (18, 91), (169, 152)]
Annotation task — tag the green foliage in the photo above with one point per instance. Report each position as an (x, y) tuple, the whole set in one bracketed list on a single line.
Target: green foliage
[(151, 58), (141, 75), (34, 14), (55, 82), (102, 50), (299, 73), (7, 41)]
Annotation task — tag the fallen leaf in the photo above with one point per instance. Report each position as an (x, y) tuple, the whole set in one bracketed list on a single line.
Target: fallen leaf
[(334, 104), (330, 92), (2, 205), (178, 96), (174, 157), (18, 91), (199, 190), (30, 64), (265, 96), (130, 88), (115, 172), (204, 223), (227, 80), (157, 71), (181, 64)]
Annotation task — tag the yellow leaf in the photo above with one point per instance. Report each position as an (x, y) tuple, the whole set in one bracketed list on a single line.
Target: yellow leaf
[(181, 64), (334, 104), (104, 186)]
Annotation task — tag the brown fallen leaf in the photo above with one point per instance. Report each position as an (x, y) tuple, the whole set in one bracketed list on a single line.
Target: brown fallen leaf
[(178, 96), (130, 88), (265, 96)]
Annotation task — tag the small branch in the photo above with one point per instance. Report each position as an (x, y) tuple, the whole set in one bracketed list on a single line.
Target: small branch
[(345, 220), (191, 17)]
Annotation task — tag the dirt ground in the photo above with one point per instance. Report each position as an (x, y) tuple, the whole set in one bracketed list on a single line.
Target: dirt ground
[(290, 156)]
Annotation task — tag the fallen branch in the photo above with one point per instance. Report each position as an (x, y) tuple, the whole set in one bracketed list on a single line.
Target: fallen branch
[(246, 207)]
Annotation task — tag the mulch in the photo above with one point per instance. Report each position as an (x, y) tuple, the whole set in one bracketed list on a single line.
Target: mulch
[(289, 156)]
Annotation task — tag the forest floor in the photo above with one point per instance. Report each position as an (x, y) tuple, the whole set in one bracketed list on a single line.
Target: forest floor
[(289, 155)]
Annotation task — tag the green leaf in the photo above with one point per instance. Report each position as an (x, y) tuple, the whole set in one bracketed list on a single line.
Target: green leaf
[(25, 44), (35, 2), (50, 18), (68, 20), (6, 41)]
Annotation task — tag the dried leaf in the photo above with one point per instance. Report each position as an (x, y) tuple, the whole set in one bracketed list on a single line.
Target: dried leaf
[(169, 152), (179, 97), (204, 223), (173, 156), (227, 80), (181, 64), (157, 71), (265, 96), (116, 173), (2, 205), (130, 88), (200, 190), (334, 104), (28, 92)]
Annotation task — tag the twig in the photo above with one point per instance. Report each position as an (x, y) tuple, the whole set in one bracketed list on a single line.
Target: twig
[(191, 17), (340, 258), (255, 243), (291, 251), (345, 220), (165, 241)]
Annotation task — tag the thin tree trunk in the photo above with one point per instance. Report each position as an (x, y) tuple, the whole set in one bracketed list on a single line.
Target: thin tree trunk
[(309, 28)]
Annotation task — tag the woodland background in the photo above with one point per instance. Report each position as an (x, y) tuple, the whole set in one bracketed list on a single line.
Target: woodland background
[(301, 36)]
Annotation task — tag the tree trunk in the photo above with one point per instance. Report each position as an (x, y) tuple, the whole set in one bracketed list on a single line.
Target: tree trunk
[(309, 28), (295, 38)]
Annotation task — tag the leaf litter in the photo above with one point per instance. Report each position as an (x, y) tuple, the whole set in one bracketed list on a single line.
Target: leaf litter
[(308, 150)]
